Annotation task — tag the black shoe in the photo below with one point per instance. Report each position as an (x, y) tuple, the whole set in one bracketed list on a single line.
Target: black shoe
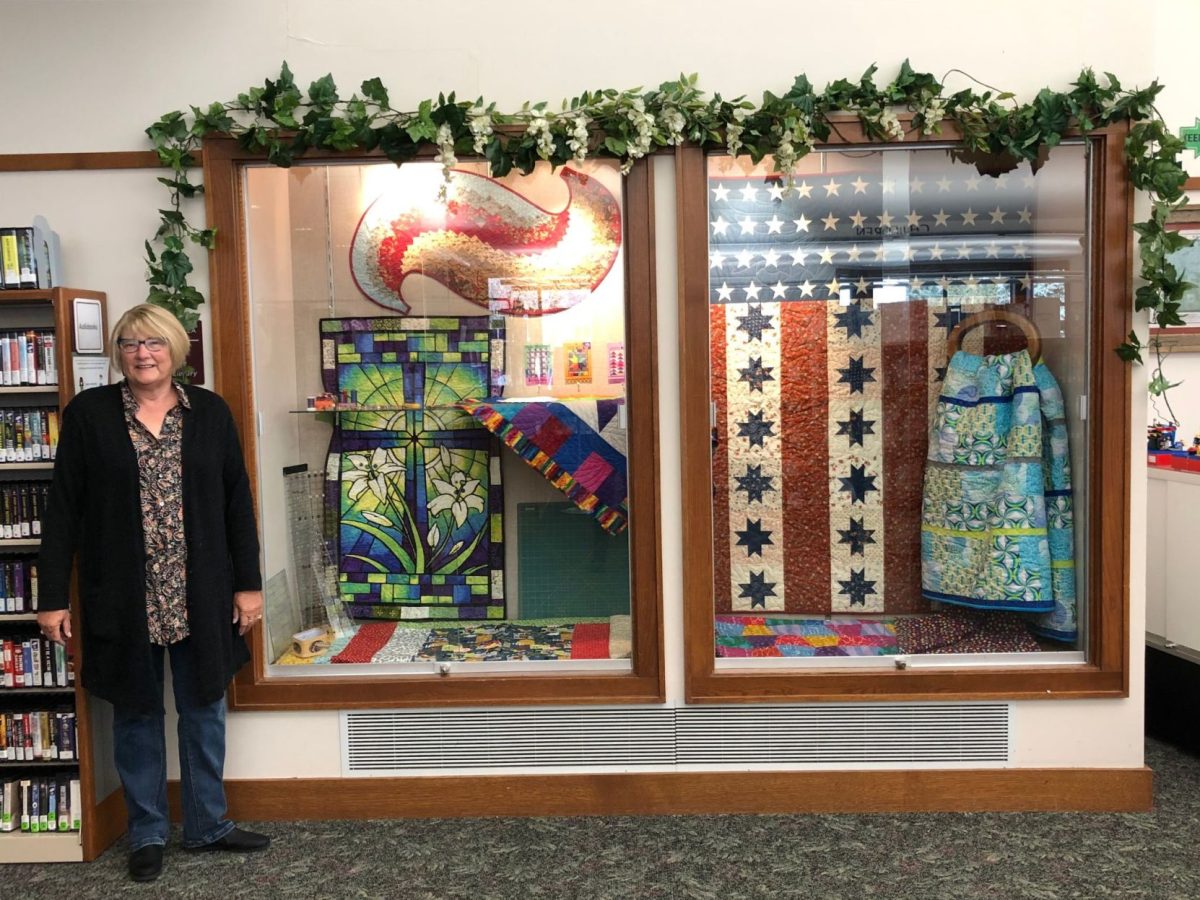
[(237, 841), (145, 863)]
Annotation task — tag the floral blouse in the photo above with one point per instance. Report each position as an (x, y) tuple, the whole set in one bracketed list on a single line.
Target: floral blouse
[(160, 470)]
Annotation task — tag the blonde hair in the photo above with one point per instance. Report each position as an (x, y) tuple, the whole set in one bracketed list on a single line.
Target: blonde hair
[(151, 321)]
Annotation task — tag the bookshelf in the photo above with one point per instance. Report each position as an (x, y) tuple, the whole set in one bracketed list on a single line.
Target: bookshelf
[(22, 474)]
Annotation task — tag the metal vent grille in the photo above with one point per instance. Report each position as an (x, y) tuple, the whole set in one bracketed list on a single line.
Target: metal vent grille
[(844, 734), (454, 739), (817, 734)]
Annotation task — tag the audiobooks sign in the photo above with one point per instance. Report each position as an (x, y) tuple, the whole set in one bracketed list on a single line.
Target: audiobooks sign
[(89, 325)]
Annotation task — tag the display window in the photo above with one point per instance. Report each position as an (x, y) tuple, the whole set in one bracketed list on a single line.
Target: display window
[(900, 360), (452, 462)]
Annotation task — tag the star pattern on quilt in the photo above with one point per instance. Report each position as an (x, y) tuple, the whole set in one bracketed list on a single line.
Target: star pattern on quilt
[(754, 483), (754, 323), (755, 429), (949, 318), (857, 587), (754, 538), (854, 319), (858, 484), (857, 536), (758, 589), (856, 427), (856, 374), (756, 373)]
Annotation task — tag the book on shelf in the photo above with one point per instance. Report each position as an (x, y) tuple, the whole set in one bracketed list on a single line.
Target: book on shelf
[(10, 267), (40, 805), (47, 254), (34, 662)]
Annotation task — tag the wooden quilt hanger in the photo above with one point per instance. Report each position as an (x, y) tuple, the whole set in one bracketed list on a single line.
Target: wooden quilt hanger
[(1002, 317)]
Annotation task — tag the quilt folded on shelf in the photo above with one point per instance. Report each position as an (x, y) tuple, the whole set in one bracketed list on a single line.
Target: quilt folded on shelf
[(579, 446), (996, 525)]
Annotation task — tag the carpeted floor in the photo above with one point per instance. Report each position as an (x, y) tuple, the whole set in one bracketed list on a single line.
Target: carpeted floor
[(829, 857)]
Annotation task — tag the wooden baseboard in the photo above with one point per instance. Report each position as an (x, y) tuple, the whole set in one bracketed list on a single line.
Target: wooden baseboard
[(692, 793)]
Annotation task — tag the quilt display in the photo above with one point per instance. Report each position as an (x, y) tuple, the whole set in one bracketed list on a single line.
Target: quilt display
[(759, 636), (392, 642), (413, 481), (830, 306), (490, 245), (996, 523), (579, 446)]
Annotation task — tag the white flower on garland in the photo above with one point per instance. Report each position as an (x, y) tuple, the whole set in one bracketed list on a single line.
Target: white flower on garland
[(643, 124), (580, 136), (733, 132), (539, 130), (480, 121), (933, 112), (445, 156), (674, 122), (891, 126)]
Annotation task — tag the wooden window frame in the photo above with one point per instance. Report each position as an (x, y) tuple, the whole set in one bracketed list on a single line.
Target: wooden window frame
[(252, 688), (1105, 674)]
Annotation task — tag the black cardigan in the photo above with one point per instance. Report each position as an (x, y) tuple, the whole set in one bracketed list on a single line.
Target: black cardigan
[(94, 514)]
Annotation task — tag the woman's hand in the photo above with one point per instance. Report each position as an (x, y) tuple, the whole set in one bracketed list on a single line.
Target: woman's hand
[(56, 625), (247, 609)]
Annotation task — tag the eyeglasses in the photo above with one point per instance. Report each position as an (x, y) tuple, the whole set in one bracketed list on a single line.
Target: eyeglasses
[(130, 345)]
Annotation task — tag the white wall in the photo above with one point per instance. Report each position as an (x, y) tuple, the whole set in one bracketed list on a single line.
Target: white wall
[(94, 74)]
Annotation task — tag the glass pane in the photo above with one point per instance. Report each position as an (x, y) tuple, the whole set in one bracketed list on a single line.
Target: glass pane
[(873, 498), (441, 386)]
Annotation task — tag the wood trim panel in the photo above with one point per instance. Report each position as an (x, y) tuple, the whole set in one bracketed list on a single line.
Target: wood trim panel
[(1192, 184), (1106, 672), (56, 162), (691, 793), (108, 822), (233, 379)]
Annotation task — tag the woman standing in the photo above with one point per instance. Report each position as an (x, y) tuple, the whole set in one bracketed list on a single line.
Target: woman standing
[(150, 492)]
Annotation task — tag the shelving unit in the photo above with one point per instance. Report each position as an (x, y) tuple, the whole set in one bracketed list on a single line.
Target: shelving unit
[(47, 309)]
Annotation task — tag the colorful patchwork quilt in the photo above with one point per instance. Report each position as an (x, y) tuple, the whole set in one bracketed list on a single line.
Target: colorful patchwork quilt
[(759, 636), (996, 521), (384, 642), (412, 482), (579, 446)]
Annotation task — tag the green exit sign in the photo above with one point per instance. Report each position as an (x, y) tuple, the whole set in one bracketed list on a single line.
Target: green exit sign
[(1190, 135)]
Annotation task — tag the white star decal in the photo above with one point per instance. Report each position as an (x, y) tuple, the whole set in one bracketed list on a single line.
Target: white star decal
[(853, 253), (944, 283), (802, 223), (940, 218), (806, 289), (909, 253), (779, 291), (720, 193), (774, 225), (860, 186), (972, 183), (885, 220), (720, 226), (992, 251), (1020, 250), (935, 252), (771, 258), (752, 290), (775, 189), (750, 193), (943, 184), (880, 252), (916, 284), (1026, 283), (1025, 215), (971, 283), (804, 189), (834, 287), (916, 185), (831, 189), (798, 256), (744, 257), (827, 255), (716, 260), (724, 293), (914, 220), (997, 215), (831, 222), (964, 251), (1001, 183), (747, 224), (858, 218), (861, 287), (969, 216), (888, 186)]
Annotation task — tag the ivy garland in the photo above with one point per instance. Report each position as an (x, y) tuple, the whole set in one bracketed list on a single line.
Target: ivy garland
[(998, 133)]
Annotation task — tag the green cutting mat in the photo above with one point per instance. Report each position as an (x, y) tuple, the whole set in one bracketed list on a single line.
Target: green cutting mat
[(568, 565)]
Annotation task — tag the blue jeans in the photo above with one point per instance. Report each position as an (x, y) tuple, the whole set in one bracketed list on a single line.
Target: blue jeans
[(140, 753)]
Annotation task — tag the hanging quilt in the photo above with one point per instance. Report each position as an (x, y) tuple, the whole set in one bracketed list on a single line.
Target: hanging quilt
[(822, 392), (996, 521), (579, 446), (412, 481), (490, 245)]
